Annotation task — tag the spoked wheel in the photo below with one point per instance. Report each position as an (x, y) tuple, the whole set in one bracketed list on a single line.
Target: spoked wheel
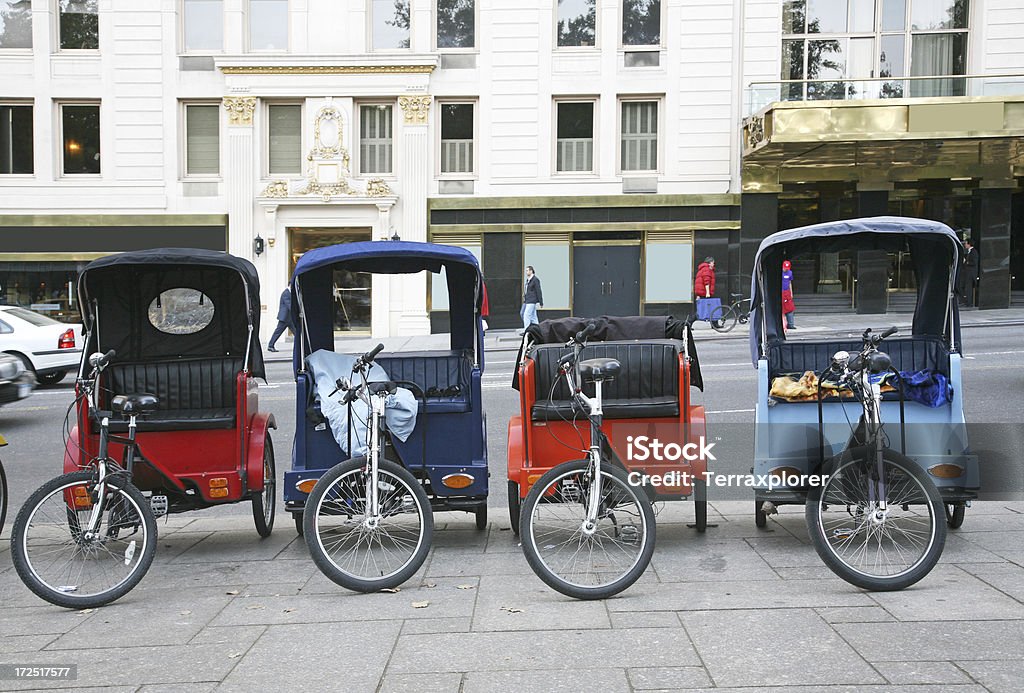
[(356, 550), (954, 515), (481, 516), (514, 505), (722, 318), (56, 557), (576, 560), (264, 505), (868, 546)]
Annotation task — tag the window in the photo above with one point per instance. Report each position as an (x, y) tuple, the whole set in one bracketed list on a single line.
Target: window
[(840, 44), (375, 138), (641, 22), (16, 139), (390, 24), (80, 135), (456, 24), (15, 24), (79, 24), (284, 131), (549, 257), (202, 140), (203, 25), (668, 267), (639, 128), (577, 22), (574, 137), (268, 25), (456, 137), (439, 281)]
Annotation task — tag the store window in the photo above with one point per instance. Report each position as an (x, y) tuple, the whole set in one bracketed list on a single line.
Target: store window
[(390, 22), (376, 138), (284, 139), (203, 25), (50, 288), (639, 136), (456, 24), (439, 282), (16, 139), (574, 140), (577, 23), (80, 137), (268, 25), (641, 22), (15, 24), (668, 275), (78, 24), (549, 257), (457, 132), (202, 140), (841, 44)]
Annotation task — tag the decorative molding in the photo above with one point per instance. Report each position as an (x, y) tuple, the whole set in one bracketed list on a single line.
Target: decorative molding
[(375, 187), (322, 150), (415, 108), (326, 69), (240, 109), (326, 190), (276, 188), (753, 131)]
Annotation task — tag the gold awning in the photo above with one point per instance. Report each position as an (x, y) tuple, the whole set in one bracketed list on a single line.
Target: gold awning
[(882, 142)]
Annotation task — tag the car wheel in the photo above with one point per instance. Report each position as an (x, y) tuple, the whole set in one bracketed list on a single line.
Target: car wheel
[(51, 378)]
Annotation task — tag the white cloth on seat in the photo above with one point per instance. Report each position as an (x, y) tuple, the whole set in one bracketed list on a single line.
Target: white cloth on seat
[(399, 409)]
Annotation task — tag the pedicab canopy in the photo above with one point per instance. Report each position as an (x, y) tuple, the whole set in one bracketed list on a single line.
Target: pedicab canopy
[(164, 303), (935, 249), (313, 297)]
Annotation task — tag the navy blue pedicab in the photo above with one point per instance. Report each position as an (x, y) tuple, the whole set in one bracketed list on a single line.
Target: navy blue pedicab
[(383, 440)]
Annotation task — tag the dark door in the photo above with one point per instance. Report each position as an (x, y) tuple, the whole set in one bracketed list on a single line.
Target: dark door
[(606, 280)]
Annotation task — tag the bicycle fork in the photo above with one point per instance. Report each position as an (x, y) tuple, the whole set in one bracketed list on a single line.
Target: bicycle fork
[(372, 485), (876, 474), (594, 502)]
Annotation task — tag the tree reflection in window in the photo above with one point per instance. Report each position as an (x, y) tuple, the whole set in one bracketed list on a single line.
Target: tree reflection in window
[(456, 24), (15, 24), (391, 24), (576, 22), (79, 24), (641, 22)]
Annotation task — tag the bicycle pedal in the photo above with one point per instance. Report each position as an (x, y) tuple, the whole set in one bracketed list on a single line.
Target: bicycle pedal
[(570, 490), (843, 533), (158, 504), (629, 534)]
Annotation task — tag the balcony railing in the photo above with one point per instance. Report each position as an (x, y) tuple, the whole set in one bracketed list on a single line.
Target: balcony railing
[(761, 94)]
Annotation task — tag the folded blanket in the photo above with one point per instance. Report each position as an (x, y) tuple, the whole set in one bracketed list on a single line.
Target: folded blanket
[(792, 387)]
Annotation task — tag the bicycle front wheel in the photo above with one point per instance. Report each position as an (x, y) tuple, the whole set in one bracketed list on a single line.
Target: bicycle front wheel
[(722, 318), (876, 547), (572, 558), (355, 549), (58, 559)]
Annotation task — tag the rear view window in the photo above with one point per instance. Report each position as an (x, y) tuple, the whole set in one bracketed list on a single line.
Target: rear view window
[(181, 311), (31, 317)]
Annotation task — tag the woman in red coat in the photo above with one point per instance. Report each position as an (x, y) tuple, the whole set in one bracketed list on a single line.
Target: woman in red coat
[(704, 282), (485, 307)]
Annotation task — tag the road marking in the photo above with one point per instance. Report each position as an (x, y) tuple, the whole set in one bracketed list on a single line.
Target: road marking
[(724, 365), (729, 411), (994, 353)]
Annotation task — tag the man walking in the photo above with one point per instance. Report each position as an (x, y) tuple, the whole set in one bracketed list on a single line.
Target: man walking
[(970, 274), (532, 297), (284, 318)]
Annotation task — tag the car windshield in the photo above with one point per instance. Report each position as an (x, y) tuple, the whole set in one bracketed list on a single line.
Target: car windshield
[(30, 317)]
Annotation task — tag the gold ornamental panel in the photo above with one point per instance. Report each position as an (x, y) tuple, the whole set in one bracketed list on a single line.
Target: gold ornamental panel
[(240, 109)]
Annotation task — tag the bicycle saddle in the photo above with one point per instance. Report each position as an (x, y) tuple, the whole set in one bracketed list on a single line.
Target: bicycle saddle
[(599, 369), (383, 386), (136, 403)]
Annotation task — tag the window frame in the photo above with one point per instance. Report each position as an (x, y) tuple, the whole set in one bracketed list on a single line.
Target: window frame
[(23, 51), (183, 173), (183, 44), (369, 32), (475, 48), (595, 168), (266, 104), (474, 174), (247, 20), (57, 48), (659, 99), (30, 103), (59, 170), (577, 49), (357, 132), (624, 47)]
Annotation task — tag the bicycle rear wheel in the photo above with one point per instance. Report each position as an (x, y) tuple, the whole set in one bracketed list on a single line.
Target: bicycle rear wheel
[(56, 559), (878, 550), (359, 552), (722, 318), (577, 563)]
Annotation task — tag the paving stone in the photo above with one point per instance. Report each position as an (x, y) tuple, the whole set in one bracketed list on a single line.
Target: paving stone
[(226, 546), (961, 550), (785, 552), (422, 683), (11, 644), (1006, 577), (645, 619), (949, 594), (944, 688), (242, 636), (997, 676), (774, 648), (705, 559), (531, 650), (1006, 544), (907, 673), (180, 574), (668, 678), (542, 607), (460, 624), (316, 657), (699, 596), (819, 573), (571, 681), (935, 641), (855, 614), (178, 688), (460, 562), (41, 620)]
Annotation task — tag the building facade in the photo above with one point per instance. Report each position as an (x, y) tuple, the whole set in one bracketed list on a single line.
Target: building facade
[(611, 144)]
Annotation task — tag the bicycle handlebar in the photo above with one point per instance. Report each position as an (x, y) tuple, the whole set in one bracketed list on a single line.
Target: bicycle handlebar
[(367, 358), (99, 361)]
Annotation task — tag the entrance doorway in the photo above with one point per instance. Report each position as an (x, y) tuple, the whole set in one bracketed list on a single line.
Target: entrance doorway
[(352, 290), (606, 278)]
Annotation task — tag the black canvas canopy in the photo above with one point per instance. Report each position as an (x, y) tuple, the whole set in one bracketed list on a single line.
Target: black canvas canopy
[(937, 257), (118, 291)]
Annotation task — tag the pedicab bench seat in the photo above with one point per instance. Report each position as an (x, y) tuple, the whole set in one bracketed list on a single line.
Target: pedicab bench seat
[(907, 354), (444, 378), (197, 393), (647, 386)]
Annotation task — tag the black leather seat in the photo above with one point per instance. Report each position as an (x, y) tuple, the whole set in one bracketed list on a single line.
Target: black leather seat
[(381, 386), (907, 354), (138, 404), (599, 369)]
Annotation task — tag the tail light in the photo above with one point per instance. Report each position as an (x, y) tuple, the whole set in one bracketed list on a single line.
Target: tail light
[(67, 340)]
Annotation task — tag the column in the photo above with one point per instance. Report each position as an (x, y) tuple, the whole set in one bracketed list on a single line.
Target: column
[(239, 174), (828, 263), (414, 176), (760, 218), (990, 231)]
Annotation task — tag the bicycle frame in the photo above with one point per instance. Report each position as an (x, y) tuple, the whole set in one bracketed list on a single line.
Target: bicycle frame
[(595, 416)]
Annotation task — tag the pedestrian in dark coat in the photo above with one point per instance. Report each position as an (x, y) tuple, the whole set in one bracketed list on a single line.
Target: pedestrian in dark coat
[(284, 318), (971, 274)]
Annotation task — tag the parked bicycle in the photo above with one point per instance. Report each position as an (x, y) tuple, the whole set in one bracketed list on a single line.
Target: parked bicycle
[(87, 538), (723, 318), (878, 521), (368, 522), (586, 531)]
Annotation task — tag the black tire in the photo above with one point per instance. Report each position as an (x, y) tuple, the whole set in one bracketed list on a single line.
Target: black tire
[(722, 318), (3, 498), (481, 516), (50, 379), (760, 516), (514, 505), (954, 515), (348, 477), (264, 504), (700, 505), (299, 528), (126, 507), (612, 478), (909, 492)]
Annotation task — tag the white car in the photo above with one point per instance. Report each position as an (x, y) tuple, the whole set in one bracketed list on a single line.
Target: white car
[(47, 347)]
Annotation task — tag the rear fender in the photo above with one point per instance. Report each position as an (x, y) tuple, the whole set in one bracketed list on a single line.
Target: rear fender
[(515, 449), (73, 461), (259, 429)]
